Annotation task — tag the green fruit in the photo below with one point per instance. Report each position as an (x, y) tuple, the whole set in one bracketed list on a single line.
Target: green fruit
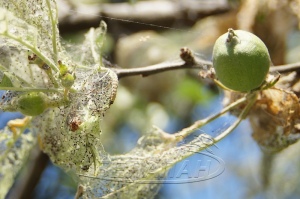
[(67, 80), (32, 104), (241, 60)]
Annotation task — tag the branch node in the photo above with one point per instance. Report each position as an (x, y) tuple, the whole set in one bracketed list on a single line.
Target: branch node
[(187, 55)]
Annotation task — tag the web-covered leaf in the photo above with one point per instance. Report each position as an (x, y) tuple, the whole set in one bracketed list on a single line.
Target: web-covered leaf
[(88, 53), (14, 151), (23, 31), (140, 173), (32, 24), (29, 48), (71, 135), (77, 92)]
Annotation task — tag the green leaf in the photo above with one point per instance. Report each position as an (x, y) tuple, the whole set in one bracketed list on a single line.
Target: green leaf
[(190, 89), (6, 82)]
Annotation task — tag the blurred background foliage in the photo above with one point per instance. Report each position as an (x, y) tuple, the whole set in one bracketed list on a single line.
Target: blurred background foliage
[(142, 34)]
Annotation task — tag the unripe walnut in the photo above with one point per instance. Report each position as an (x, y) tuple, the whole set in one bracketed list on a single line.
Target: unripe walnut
[(241, 60)]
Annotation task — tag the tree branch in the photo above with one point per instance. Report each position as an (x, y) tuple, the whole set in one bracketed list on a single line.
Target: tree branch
[(155, 14), (24, 187), (286, 68), (189, 61)]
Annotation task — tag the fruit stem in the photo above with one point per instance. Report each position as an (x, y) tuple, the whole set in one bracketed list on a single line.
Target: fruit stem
[(57, 103), (231, 34)]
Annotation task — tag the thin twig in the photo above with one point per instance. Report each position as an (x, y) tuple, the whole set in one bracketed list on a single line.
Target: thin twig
[(54, 21), (252, 99), (80, 191), (187, 131), (286, 68), (267, 162), (187, 61)]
